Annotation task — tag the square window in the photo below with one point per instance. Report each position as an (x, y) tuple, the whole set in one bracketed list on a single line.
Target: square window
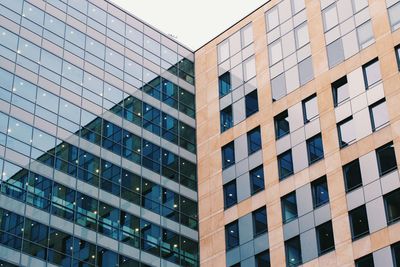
[(228, 155), (392, 206), (398, 51), (386, 159), (257, 179), (310, 108), (379, 115), (346, 132), (263, 259), (285, 164), (226, 118), (340, 91), (224, 82), (315, 149), (352, 175), (230, 195), (372, 73), (260, 221), (289, 207), (366, 261), (232, 235), (396, 254), (325, 238), (254, 140), (293, 252), (320, 192), (251, 102), (282, 126), (358, 222)]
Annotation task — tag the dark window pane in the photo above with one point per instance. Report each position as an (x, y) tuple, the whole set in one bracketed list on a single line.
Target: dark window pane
[(372, 73), (251, 102), (257, 179), (310, 108), (254, 140), (285, 164), (340, 91), (282, 126), (392, 204), (260, 221), (289, 207), (263, 259), (358, 222), (293, 252), (226, 118), (352, 175), (396, 254), (224, 84), (230, 196), (386, 158), (320, 192), (315, 149), (325, 238), (398, 56), (366, 261), (228, 155), (232, 235)]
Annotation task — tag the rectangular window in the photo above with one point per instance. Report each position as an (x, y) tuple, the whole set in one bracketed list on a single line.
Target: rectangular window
[(260, 221), (282, 126), (263, 259), (226, 118), (285, 164), (397, 49), (325, 238), (352, 175), (232, 235), (251, 102), (396, 254), (340, 91), (366, 261), (228, 155), (224, 82), (392, 206), (320, 193), (315, 149), (379, 115), (346, 132), (372, 73), (257, 179), (230, 195), (394, 16), (289, 207), (254, 140), (358, 222), (310, 108), (293, 252), (386, 159)]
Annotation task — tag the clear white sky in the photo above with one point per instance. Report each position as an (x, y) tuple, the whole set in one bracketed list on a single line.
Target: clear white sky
[(194, 22)]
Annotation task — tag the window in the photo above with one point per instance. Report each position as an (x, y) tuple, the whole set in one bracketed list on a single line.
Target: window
[(230, 195), (394, 17), (379, 115), (260, 221), (372, 73), (352, 175), (293, 252), (392, 206), (358, 222), (340, 91), (398, 51), (335, 53), (228, 155), (330, 17), (254, 140), (251, 102), (224, 84), (386, 159), (365, 34), (320, 192), (396, 254), (226, 118), (263, 259), (282, 126), (310, 108), (285, 164), (325, 238), (232, 235), (315, 149), (289, 207), (257, 179), (346, 132), (366, 261)]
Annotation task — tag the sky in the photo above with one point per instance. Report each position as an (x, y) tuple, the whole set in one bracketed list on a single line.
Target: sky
[(192, 22)]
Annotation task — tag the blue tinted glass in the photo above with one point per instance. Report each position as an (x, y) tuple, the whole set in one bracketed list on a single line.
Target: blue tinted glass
[(289, 207), (226, 118), (224, 84), (232, 235), (254, 140), (230, 195), (257, 179), (282, 126), (320, 192), (251, 102), (285, 164), (315, 149), (228, 155)]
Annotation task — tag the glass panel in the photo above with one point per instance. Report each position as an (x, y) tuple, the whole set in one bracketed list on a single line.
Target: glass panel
[(272, 18), (310, 109), (394, 16), (325, 238), (232, 235), (226, 118), (260, 221), (392, 203), (257, 179), (315, 149), (224, 84), (347, 133), (251, 102), (386, 159), (372, 73), (230, 195), (285, 164), (352, 175), (320, 192), (340, 90), (254, 140), (228, 155), (358, 222), (379, 115), (330, 17), (289, 207), (282, 126), (293, 252)]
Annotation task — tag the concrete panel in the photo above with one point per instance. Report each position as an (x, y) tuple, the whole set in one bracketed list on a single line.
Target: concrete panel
[(383, 257), (241, 151), (243, 187), (283, 144), (322, 214), (245, 228), (306, 222), (246, 250), (239, 111), (362, 123), (355, 80), (291, 229), (309, 246), (296, 119), (355, 198), (261, 243), (372, 190), (300, 159), (304, 200), (369, 168), (376, 215), (232, 256), (389, 182)]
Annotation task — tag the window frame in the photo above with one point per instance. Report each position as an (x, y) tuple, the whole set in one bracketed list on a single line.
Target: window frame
[(372, 118), (304, 107), (249, 142), (308, 143), (279, 157), (396, 194), (365, 76), (397, 52), (284, 115), (314, 184), (253, 215), (298, 244), (222, 78), (368, 258), (283, 200), (251, 174), (236, 225), (390, 144), (230, 145), (356, 161), (335, 86), (362, 234), (225, 186), (253, 94), (396, 260), (230, 123), (338, 125), (317, 230)]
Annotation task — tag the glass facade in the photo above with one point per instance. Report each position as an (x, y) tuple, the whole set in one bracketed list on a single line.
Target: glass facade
[(103, 138)]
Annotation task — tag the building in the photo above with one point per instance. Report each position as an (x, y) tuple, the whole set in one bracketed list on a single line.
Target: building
[(301, 166), (97, 139), (277, 143)]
